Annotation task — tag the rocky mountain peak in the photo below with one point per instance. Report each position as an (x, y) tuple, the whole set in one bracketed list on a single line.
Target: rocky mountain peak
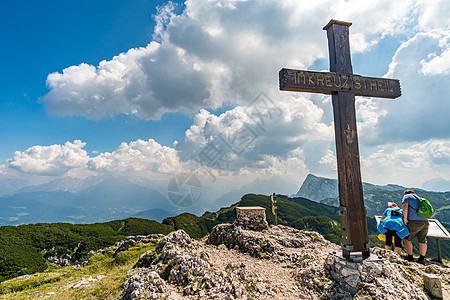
[(278, 263), (317, 188)]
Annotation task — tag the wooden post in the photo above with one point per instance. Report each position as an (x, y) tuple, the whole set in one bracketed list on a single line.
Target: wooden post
[(352, 212), (438, 245)]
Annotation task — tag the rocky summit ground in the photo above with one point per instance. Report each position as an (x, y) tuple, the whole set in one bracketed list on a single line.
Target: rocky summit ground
[(278, 263)]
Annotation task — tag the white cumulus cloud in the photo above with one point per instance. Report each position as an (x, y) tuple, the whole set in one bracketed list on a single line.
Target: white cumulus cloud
[(329, 159), (259, 137), (50, 160), (411, 163), (438, 62), (138, 156), (432, 14), (145, 157), (421, 112)]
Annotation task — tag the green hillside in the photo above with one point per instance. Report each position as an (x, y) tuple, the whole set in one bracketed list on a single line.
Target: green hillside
[(22, 248), (289, 210), (108, 270), (330, 229), (196, 227)]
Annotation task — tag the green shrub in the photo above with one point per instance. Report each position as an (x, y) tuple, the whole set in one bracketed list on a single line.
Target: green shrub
[(327, 227)]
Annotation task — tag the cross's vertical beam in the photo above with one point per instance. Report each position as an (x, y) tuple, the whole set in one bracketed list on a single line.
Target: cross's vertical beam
[(352, 211)]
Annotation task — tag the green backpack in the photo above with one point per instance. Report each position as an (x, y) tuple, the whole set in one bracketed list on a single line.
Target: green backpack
[(425, 210)]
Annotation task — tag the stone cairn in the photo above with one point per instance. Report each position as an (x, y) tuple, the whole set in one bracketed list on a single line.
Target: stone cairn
[(251, 218), (352, 273)]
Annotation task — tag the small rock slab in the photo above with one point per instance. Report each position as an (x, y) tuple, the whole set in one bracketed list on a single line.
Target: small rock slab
[(433, 284)]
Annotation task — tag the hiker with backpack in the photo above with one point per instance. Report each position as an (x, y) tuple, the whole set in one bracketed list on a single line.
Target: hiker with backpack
[(392, 226), (417, 224)]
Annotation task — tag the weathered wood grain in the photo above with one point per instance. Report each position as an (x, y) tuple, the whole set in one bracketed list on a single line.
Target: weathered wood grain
[(331, 82)]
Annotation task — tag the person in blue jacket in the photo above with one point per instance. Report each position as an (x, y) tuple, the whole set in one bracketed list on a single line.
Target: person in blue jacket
[(391, 225)]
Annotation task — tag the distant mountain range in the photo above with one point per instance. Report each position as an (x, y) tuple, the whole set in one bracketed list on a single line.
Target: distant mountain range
[(106, 198), (94, 199), (320, 188), (10, 185), (437, 184), (65, 184)]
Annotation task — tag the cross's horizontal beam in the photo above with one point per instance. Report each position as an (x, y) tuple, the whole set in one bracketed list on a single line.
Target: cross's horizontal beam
[(331, 83)]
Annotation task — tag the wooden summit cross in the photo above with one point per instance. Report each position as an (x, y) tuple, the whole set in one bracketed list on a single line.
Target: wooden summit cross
[(343, 85)]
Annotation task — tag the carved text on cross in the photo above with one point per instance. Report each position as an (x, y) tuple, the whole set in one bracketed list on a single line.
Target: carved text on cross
[(331, 82), (343, 85)]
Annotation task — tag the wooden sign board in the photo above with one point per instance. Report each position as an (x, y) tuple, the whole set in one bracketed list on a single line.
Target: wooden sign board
[(331, 82)]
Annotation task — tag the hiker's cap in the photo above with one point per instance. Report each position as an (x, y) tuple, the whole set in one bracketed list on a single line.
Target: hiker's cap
[(392, 204)]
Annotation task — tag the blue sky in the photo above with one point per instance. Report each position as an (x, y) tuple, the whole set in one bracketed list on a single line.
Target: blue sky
[(143, 87)]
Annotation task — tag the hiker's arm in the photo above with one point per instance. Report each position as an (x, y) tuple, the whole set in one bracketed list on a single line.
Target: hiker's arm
[(382, 218), (405, 212)]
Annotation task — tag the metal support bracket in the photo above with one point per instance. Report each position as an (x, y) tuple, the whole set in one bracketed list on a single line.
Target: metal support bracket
[(347, 247)]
